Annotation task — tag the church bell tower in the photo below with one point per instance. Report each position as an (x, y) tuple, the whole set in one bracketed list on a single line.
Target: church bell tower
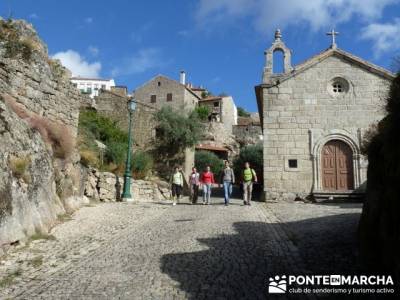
[(277, 45)]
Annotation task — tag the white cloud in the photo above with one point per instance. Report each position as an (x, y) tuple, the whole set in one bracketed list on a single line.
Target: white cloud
[(77, 64), (141, 61), (89, 20), (94, 51), (33, 16), (386, 36), (267, 15)]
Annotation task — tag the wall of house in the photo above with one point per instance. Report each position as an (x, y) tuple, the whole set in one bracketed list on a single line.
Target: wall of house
[(160, 86), (301, 113), (229, 113)]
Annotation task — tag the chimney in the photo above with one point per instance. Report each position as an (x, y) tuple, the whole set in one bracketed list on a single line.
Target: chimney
[(182, 77)]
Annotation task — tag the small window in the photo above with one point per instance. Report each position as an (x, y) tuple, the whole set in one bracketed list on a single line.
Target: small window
[(103, 86), (153, 98), (216, 104), (159, 83), (337, 88), (292, 163), (89, 90), (169, 97)]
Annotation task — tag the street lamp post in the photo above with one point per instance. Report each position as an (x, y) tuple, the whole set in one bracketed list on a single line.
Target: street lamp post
[(126, 194)]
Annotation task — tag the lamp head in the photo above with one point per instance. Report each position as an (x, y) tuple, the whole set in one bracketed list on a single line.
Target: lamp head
[(132, 105)]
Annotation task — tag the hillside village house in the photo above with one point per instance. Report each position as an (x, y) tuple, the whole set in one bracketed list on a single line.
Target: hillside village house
[(222, 109), (92, 86), (314, 117)]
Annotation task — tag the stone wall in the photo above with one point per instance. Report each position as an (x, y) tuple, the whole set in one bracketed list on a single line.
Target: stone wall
[(39, 110), (229, 113), (107, 187), (301, 114), (42, 85), (114, 106)]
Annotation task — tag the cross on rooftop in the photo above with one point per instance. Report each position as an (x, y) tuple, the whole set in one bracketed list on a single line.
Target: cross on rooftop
[(333, 33)]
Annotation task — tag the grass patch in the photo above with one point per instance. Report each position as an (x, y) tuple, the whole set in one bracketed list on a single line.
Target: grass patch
[(64, 218), (9, 279), (36, 262), (42, 236), (19, 167)]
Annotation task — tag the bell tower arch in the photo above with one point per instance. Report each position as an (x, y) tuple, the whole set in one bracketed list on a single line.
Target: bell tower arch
[(277, 45)]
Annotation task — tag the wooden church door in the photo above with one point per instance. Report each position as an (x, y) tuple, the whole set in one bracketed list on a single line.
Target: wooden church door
[(337, 166)]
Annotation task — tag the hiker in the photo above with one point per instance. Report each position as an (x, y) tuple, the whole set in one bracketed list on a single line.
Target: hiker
[(227, 180), (207, 180), (194, 182), (249, 176), (177, 185)]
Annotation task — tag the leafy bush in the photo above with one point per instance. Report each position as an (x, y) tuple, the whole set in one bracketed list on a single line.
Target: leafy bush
[(242, 112), (142, 163), (252, 154), (205, 158), (94, 126), (203, 112)]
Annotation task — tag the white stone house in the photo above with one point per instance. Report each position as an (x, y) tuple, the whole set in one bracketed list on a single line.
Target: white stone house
[(314, 117), (92, 86), (222, 109)]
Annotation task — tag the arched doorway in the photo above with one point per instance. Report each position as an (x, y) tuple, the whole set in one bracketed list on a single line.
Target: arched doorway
[(337, 166)]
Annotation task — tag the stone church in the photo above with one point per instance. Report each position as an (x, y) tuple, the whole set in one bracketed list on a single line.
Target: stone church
[(314, 117)]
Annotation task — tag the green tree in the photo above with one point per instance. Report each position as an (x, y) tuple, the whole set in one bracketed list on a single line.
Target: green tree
[(203, 112), (205, 158), (242, 112), (252, 154), (175, 131)]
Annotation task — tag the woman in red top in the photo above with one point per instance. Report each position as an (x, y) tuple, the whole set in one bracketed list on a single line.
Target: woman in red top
[(207, 179)]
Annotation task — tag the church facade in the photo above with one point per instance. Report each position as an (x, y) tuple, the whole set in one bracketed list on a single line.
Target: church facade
[(314, 117)]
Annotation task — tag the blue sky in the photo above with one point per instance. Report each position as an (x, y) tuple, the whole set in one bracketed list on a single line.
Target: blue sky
[(219, 43)]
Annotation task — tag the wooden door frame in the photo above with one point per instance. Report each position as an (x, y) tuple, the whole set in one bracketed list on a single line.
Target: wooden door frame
[(316, 156)]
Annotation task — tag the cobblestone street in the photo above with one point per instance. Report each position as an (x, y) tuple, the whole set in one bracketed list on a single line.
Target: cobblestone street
[(156, 251)]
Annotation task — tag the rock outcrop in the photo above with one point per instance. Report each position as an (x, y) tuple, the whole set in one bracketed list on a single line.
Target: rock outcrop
[(216, 135), (40, 174)]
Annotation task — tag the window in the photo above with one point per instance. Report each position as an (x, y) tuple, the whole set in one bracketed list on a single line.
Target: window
[(337, 87), (103, 86), (169, 97), (159, 83), (153, 98), (89, 90), (216, 104), (292, 163)]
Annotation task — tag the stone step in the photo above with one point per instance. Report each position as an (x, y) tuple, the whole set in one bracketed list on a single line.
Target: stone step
[(339, 196)]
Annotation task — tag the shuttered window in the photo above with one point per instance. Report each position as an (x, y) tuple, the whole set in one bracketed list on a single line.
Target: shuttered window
[(169, 97), (153, 98)]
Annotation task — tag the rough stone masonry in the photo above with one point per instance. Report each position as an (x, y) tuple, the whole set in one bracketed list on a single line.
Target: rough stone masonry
[(314, 117)]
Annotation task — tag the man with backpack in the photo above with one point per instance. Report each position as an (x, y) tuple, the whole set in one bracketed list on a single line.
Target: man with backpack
[(249, 176)]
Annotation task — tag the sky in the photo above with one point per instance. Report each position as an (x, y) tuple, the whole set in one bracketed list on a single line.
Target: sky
[(219, 43)]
